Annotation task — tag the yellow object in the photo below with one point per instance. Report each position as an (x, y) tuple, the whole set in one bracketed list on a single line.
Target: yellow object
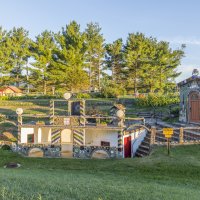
[(168, 132)]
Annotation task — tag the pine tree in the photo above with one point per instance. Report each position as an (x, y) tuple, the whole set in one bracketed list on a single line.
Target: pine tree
[(114, 60), (95, 54), (20, 50), (69, 59), (42, 50), (5, 52), (135, 52)]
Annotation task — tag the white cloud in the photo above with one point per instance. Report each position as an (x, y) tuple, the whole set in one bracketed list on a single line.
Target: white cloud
[(183, 40), (186, 71)]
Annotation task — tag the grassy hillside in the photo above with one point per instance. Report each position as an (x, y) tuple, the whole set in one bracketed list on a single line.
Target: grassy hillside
[(155, 177)]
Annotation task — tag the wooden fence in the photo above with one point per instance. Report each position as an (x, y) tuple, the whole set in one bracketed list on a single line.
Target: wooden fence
[(181, 135)]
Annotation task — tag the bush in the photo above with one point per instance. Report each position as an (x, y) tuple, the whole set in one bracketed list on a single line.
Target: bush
[(155, 100), (4, 98), (5, 147), (113, 91), (83, 96), (33, 97), (175, 111)]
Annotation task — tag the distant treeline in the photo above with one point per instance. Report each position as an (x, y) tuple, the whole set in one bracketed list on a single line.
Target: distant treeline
[(72, 60)]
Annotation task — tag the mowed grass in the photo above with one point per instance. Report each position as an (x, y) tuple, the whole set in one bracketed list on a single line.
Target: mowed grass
[(155, 177)]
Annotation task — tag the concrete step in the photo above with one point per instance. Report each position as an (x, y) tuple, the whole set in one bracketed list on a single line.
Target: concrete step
[(145, 143), (145, 147), (137, 154), (141, 151)]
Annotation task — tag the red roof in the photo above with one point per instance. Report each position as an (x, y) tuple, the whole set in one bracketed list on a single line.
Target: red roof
[(13, 88)]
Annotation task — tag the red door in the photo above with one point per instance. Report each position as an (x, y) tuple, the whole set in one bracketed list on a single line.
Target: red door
[(127, 147)]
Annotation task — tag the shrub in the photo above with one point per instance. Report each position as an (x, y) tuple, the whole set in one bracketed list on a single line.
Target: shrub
[(83, 96), (5, 147), (155, 100), (175, 111), (113, 91), (4, 98)]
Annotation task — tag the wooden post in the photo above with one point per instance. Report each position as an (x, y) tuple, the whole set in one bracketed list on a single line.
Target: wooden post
[(153, 135), (168, 146), (181, 135)]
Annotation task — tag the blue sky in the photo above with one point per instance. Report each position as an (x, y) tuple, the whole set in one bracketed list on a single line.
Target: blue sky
[(176, 21)]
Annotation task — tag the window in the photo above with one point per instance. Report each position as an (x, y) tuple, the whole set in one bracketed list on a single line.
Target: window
[(194, 97), (105, 144), (30, 138)]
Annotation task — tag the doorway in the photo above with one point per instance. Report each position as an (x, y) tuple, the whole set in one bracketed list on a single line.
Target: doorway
[(127, 147), (194, 107)]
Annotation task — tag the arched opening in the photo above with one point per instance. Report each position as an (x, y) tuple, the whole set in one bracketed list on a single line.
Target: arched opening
[(36, 152), (194, 107), (66, 143), (100, 154)]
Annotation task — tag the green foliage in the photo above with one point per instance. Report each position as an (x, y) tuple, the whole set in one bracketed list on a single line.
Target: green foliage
[(4, 98), (42, 50), (114, 60), (75, 60), (175, 111), (113, 91), (150, 64), (155, 100), (20, 45), (5, 147), (94, 54), (69, 62), (2, 117), (34, 97), (83, 96)]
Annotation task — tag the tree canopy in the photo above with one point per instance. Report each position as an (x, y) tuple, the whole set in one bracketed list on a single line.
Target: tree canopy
[(76, 60)]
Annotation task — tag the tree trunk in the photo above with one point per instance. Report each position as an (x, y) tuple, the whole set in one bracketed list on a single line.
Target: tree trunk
[(45, 87), (135, 80), (27, 78), (99, 73), (17, 81), (90, 76)]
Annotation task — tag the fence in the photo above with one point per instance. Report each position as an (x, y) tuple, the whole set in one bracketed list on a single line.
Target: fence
[(181, 135)]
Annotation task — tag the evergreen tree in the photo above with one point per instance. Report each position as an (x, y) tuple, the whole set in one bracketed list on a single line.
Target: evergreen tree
[(42, 50), (5, 52), (135, 52), (20, 46), (69, 59), (114, 60), (95, 54)]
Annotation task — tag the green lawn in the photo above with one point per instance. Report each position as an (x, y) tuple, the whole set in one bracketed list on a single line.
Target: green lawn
[(155, 177)]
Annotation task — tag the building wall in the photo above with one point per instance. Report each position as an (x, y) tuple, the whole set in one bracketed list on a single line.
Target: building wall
[(41, 135), (185, 90), (24, 134), (94, 137)]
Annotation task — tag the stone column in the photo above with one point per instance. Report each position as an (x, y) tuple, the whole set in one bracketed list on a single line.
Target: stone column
[(120, 144)]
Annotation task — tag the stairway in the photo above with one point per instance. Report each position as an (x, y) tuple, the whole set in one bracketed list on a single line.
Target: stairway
[(145, 114), (144, 148)]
